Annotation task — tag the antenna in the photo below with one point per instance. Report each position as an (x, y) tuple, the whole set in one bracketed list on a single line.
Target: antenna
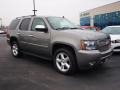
[(34, 8)]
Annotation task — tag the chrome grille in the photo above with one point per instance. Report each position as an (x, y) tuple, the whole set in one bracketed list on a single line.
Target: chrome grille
[(103, 45)]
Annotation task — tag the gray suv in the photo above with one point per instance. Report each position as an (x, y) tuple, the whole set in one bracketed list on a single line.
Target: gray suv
[(57, 39)]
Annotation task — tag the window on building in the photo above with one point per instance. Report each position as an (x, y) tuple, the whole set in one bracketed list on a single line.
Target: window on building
[(85, 21)]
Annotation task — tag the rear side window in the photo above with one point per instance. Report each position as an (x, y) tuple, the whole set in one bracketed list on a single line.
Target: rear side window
[(13, 25), (25, 24)]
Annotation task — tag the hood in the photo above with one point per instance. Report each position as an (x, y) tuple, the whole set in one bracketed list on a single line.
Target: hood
[(115, 36), (85, 34)]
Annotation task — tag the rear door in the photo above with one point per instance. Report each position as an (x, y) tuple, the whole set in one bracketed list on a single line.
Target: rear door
[(23, 34)]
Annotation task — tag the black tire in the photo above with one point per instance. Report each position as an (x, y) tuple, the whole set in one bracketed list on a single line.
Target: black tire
[(15, 49), (69, 61)]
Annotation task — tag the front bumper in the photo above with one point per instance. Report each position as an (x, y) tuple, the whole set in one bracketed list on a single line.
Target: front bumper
[(116, 47), (87, 57)]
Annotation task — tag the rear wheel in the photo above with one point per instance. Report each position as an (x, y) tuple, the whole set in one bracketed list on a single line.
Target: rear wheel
[(64, 61), (15, 49)]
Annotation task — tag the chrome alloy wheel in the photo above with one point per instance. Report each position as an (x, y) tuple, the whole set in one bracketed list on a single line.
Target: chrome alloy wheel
[(63, 62), (15, 49)]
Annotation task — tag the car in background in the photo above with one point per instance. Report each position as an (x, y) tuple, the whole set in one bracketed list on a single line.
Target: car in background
[(93, 28), (2, 32), (114, 32)]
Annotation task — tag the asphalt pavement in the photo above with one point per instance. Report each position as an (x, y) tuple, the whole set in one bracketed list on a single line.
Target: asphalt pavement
[(31, 73)]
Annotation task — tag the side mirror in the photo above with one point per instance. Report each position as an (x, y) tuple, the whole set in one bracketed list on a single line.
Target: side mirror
[(41, 28)]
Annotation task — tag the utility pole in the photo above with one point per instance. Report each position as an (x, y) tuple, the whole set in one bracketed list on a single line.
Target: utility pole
[(34, 10)]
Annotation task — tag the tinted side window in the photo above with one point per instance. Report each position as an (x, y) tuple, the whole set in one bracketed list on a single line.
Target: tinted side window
[(25, 24), (14, 24), (37, 21)]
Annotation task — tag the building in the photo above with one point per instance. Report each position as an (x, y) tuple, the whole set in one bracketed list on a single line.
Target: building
[(102, 16)]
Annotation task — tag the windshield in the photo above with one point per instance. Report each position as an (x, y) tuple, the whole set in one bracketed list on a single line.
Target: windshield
[(59, 23), (111, 30)]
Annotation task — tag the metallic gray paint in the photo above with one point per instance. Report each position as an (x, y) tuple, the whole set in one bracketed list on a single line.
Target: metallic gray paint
[(42, 43)]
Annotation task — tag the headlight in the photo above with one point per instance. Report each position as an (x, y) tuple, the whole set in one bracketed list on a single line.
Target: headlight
[(88, 45)]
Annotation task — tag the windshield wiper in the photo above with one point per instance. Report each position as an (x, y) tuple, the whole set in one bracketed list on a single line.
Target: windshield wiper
[(63, 28), (74, 28)]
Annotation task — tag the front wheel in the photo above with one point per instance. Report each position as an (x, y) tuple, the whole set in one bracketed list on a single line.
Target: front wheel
[(64, 61)]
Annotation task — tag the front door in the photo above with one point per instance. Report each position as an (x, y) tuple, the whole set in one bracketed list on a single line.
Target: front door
[(39, 41)]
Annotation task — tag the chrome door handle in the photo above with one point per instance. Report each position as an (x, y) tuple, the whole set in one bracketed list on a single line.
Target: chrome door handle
[(30, 35), (18, 33)]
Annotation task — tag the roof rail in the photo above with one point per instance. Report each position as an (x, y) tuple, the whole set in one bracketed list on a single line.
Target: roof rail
[(25, 16), (28, 15), (18, 17)]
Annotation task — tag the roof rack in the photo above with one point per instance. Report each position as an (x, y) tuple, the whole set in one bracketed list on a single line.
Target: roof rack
[(28, 15), (25, 16)]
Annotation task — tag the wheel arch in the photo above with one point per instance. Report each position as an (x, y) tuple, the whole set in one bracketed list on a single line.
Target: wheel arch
[(13, 39), (58, 45)]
